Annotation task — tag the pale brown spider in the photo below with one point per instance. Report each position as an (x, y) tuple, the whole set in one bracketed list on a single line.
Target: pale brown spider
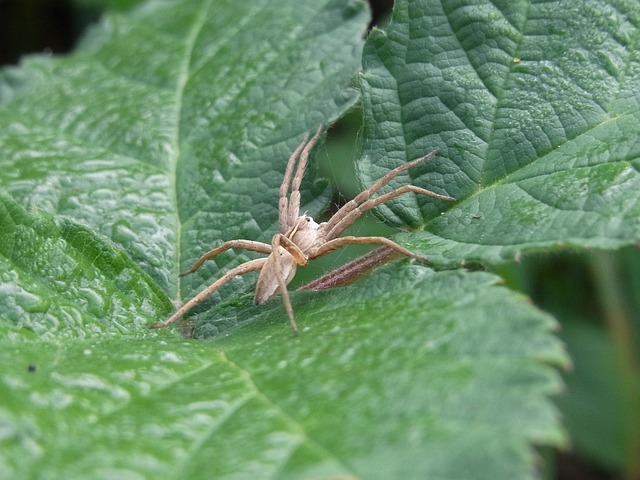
[(301, 238)]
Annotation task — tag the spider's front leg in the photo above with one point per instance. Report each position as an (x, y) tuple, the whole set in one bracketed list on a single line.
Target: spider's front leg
[(278, 271), (289, 203)]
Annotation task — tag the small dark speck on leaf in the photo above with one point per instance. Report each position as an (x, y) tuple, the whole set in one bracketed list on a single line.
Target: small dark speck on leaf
[(31, 368)]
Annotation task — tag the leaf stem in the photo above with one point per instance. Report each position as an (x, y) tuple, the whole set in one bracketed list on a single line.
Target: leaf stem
[(608, 281)]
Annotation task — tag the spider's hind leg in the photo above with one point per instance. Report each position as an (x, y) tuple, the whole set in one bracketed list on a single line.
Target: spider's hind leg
[(340, 242)]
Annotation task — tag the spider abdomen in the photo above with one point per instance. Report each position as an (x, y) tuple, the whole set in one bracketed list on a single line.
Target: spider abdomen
[(267, 284)]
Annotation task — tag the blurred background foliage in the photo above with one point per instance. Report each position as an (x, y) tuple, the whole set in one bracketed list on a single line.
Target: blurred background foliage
[(594, 295)]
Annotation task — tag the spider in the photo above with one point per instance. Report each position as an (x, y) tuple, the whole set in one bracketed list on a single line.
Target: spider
[(300, 238)]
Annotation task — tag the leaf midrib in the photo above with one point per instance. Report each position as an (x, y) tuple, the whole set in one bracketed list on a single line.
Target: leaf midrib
[(182, 80)]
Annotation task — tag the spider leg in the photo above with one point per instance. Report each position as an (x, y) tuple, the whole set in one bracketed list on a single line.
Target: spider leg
[(294, 197), (298, 255), (282, 284), (283, 203), (267, 285), (350, 272), (340, 242), (289, 208), (351, 215), (249, 245), (353, 209), (246, 267)]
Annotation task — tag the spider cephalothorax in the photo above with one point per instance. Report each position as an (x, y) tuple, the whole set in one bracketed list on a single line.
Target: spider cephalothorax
[(300, 238)]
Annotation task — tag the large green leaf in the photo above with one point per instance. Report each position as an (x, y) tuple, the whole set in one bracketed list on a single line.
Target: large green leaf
[(362, 391), (168, 130), (165, 133), (534, 108)]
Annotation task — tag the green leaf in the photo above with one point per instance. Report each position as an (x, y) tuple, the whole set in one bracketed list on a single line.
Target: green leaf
[(362, 391), (165, 133), (60, 280), (534, 109), (156, 135)]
